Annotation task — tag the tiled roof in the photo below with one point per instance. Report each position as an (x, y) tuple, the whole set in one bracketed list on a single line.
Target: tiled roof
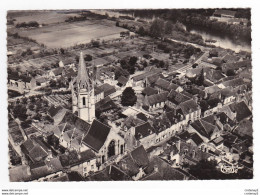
[(212, 89), (196, 139), (122, 80), (143, 130), (131, 121), (116, 174), (96, 135), (203, 128), (241, 110), (128, 165), (173, 86), (188, 106), (149, 91), (153, 78), (153, 176), (214, 75), (244, 129), (240, 147), (157, 98), (108, 89), (75, 176), (184, 136), (73, 158), (165, 170), (177, 98), (161, 83), (57, 71), (234, 83), (217, 141), (74, 121), (35, 150), (140, 156), (39, 170), (105, 104), (141, 116), (54, 110), (228, 92)]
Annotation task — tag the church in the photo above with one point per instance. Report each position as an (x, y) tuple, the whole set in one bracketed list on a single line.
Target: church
[(79, 130), (84, 92)]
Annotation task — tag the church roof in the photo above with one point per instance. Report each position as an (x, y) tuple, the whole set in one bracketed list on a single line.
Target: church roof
[(83, 79), (96, 135)]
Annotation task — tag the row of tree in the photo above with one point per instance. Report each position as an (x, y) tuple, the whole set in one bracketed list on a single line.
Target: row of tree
[(27, 25), (237, 31)]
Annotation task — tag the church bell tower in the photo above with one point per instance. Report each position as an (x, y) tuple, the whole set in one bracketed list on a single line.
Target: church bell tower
[(83, 95)]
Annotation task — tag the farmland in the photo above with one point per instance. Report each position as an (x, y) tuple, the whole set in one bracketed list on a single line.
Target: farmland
[(42, 17), (69, 34)]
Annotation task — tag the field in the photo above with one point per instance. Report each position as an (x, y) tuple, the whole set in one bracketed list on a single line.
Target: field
[(69, 34), (42, 17)]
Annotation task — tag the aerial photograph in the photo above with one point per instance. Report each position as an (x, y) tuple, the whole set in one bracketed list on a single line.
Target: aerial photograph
[(129, 95)]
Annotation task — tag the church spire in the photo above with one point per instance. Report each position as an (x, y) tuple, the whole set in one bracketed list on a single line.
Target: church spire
[(82, 77)]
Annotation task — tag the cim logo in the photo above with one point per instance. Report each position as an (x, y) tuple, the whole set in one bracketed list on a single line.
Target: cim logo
[(227, 169)]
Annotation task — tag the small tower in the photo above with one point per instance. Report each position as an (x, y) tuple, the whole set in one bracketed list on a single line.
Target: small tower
[(83, 96)]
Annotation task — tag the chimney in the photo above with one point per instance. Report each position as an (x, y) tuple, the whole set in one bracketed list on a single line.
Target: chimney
[(67, 152), (156, 168), (109, 172), (79, 156), (28, 170), (178, 144)]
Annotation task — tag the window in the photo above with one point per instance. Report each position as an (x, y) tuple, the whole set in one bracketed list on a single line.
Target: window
[(84, 101), (92, 167), (85, 169)]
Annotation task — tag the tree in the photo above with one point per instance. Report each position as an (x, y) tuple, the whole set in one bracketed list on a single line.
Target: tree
[(121, 72), (88, 57), (62, 50), (156, 29), (53, 83), (19, 111), (168, 27), (141, 31), (132, 60), (95, 43), (128, 97), (200, 79), (231, 72)]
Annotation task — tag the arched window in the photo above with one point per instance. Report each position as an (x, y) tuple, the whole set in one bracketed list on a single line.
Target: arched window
[(111, 149), (84, 101)]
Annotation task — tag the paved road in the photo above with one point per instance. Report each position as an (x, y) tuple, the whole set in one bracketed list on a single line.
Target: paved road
[(189, 66)]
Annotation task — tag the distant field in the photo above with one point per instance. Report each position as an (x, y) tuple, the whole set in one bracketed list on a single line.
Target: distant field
[(42, 17), (70, 34)]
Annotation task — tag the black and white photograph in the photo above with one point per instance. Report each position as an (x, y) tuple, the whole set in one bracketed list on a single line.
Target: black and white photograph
[(129, 94), (108, 95)]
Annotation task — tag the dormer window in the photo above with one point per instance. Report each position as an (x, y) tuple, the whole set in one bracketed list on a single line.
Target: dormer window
[(140, 135)]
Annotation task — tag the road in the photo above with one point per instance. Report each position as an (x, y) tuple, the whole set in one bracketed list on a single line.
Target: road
[(203, 48), (189, 66)]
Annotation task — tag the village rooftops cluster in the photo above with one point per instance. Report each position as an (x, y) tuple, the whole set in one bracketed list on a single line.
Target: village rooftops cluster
[(194, 111)]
